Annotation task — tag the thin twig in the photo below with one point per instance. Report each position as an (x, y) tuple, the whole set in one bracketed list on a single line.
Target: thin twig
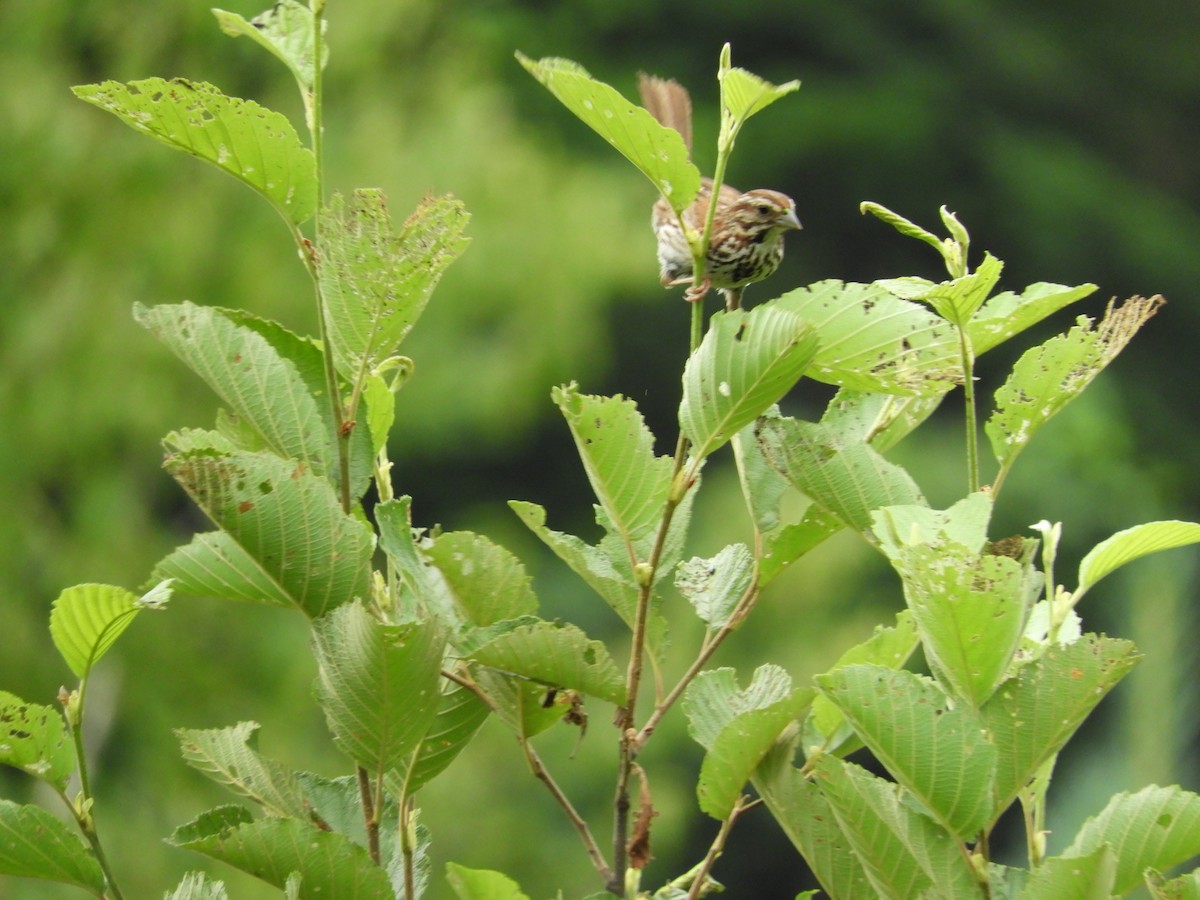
[(718, 845)]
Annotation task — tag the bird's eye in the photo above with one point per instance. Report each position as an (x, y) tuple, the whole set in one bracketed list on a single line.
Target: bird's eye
[(764, 210)]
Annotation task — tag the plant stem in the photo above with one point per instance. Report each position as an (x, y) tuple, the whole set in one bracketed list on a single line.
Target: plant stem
[(370, 817), (82, 809), (968, 364), (539, 770), (700, 874), (406, 849)]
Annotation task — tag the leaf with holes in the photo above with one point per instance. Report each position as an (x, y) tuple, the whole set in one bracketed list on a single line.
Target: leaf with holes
[(657, 150), (907, 721), (377, 280), (255, 145), (715, 586), (1156, 827), (34, 740), (230, 756), (286, 519), (747, 361), (489, 583), (286, 31)]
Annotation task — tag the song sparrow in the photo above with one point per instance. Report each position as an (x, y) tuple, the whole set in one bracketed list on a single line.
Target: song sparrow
[(746, 244)]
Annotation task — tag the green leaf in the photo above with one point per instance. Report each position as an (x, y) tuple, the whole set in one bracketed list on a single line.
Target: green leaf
[(907, 721), (744, 94), (958, 300), (86, 621), (848, 478), (272, 380), (214, 565), (1033, 715), (1087, 877), (901, 224), (399, 542), (657, 150), (1134, 543), (288, 520), (617, 450), (481, 884), (329, 864), (881, 420), (34, 740), (747, 361), (459, 716), (255, 145), (230, 756), (807, 818), (286, 31), (381, 410), (555, 655), (378, 684), (377, 281), (887, 646), (520, 703), (738, 728), (965, 524), (786, 544), (714, 586), (1048, 377), (871, 340), (971, 611), (604, 568), (905, 853), (1007, 314), (35, 844), (1185, 887), (198, 886), (489, 583), (1156, 828)]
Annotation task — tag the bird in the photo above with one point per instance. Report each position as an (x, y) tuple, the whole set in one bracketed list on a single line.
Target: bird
[(746, 244)]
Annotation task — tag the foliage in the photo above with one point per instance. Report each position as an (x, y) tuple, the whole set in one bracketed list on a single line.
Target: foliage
[(419, 635)]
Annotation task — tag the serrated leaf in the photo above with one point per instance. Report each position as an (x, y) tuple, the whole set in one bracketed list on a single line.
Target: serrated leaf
[(230, 756), (481, 884), (907, 722), (888, 646), (459, 716), (617, 450), (286, 31), (959, 299), (901, 224), (871, 340), (377, 280), (398, 540), (848, 478), (762, 485), (288, 521), (1134, 543), (904, 853), (714, 586), (806, 817), (35, 844), (744, 94), (1185, 887), (198, 886), (658, 151), (602, 567), (272, 380), (1033, 715), (965, 524), (34, 740), (786, 544), (255, 145), (555, 655), (377, 684), (329, 864), (1077, 878), (747, 361), (214, 565), (1156, 827), (1048, 377), (971, 611), (519, 702), (1007, 314), (738, 728), (86, 621), (489, 583), (881, 420)]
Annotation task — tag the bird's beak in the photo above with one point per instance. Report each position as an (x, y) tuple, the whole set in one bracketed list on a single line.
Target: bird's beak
[(789, 220)]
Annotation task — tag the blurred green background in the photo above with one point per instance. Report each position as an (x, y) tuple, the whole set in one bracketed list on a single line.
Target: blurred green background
[(1064, 135)]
